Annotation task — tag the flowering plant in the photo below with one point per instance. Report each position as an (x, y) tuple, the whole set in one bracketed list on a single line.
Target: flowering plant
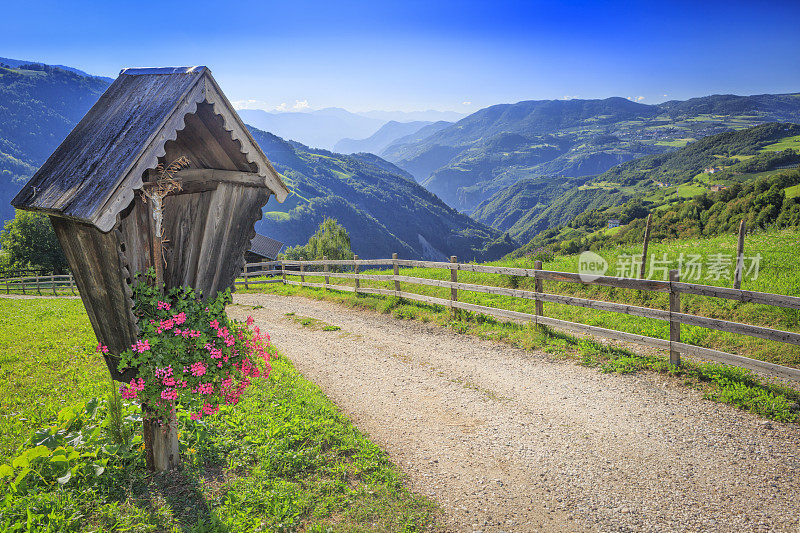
[(189, 353)]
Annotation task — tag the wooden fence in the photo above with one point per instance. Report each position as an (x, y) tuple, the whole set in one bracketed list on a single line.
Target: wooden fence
[(37, 284), (288, 271)]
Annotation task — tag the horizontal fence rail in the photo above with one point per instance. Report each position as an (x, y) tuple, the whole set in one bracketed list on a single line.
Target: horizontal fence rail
[(37, 284), (287, 272)]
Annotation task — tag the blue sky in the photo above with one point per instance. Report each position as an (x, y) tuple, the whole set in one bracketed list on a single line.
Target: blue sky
[(416, 55)]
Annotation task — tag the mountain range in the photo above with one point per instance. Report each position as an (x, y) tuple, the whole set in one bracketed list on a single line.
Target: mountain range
[(469, 161), (382, 206), (533, 206), (407, 187)]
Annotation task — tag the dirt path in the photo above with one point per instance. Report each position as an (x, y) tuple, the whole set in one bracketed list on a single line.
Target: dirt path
[(508, 440)]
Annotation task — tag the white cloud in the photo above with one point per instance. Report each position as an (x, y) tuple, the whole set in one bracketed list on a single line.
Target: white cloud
[(465, 102), (635, 98), (569, 97), (250, 103), (299, 105)]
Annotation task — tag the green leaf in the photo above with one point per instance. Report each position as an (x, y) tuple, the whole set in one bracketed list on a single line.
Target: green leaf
[(65, 478), (6, 471), (22, 473), (39, 451), (20, 461)]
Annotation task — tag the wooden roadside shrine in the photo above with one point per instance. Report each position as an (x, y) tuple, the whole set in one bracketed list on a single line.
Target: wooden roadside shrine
[(100, 188)]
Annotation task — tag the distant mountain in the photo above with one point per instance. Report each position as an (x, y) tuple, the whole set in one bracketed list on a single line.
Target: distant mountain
[(431, 115), (532, 206), (467, 162), (320, 128), (420, 134), (383, 209), (375, 143), (39, 105)]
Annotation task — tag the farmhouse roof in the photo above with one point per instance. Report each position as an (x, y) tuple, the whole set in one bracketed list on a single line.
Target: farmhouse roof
[(265, 246), (93, 174)]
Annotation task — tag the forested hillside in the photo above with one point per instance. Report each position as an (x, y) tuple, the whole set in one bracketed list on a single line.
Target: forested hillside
[(383, 210), (531, 206), (497, 146), (770, 201), (39, 105)]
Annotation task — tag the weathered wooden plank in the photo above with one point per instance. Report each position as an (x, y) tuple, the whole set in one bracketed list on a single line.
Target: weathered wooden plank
[(347, 275), (338, 262), (356, 281), (717, 356), (538, 289), (674, 326), (750, 330), (99, 275), (453, 281), (205, 176), (765, 298), (737, 273), (259, 282), (600, 305)]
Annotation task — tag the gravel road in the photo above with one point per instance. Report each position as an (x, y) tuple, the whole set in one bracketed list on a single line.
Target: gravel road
[(510, 440)]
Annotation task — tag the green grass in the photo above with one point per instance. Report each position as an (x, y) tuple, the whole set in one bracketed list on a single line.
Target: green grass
[(792, 192), (276, 215), (47, 360), (677, 143), (783, 144), (690, 190), (284, 459)]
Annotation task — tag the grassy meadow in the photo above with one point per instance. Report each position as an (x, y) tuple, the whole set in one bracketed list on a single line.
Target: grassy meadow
[(283, 459), (778, 273)]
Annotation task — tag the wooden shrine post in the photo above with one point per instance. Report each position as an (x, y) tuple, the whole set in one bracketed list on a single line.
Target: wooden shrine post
[(104, 200)]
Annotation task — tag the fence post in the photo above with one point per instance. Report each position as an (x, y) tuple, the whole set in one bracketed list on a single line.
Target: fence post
[(643, 266), (355, 271), (283, 272), (537, 287), (674, 327), (737, 275), (22, 284), (71, 283), (453, 279), (244, 275), (302, 272), (38, 287), (53, 283), (396, 273), (325, 269)]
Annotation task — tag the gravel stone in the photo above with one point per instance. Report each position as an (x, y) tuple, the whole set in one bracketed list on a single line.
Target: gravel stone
[(512, 440)]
